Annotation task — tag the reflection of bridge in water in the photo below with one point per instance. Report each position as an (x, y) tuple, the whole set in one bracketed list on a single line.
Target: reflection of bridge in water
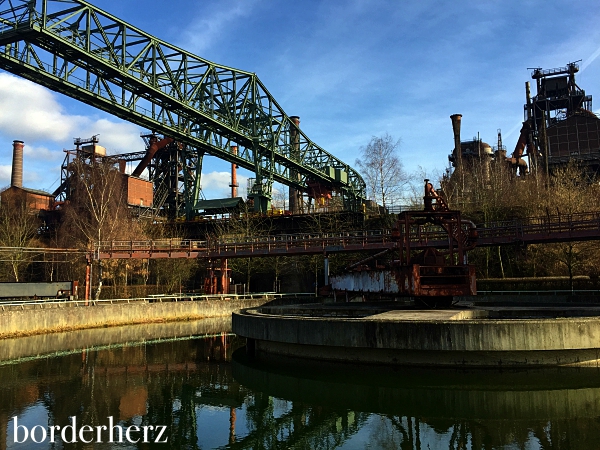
[(177, 384), (534, 230), (191, 387)]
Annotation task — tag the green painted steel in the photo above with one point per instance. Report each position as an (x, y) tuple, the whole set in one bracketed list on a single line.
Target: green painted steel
[(74, 48)]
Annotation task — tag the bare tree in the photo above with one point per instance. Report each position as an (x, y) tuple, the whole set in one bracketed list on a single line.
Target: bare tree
[(97, 209), (171, 275), (18, 227), (382, 169), (246, 227), (96, 201)]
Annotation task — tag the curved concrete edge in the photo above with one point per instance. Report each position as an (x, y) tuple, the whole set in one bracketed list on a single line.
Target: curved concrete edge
[(473, 342)]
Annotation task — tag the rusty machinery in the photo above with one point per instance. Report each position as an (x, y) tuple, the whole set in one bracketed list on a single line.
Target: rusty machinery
[(427, 259)]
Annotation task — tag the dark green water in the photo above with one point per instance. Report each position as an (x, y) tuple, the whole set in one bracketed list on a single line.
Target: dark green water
[(208, 399)]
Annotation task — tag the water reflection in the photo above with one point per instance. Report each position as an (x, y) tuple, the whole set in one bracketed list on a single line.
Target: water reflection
[(208, 400), (158, 384), (424, 408)]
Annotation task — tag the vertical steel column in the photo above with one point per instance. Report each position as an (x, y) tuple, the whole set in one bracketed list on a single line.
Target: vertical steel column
[(234, 184), (224, 277), (295, 198), (88, 280)]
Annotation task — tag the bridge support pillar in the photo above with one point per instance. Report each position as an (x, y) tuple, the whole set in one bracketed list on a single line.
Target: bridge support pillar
[(88, 281), (224, 277)]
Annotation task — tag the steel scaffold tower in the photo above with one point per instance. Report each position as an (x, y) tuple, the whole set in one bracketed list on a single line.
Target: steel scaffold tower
[(74, 48)]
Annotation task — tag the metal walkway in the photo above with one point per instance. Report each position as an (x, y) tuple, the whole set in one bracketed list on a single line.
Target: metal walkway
[(536, 230), (74, 48)]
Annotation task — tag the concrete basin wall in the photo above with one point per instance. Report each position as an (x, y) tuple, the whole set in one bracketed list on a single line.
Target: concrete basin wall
[(389, 338), (12, 349), (29, 322)]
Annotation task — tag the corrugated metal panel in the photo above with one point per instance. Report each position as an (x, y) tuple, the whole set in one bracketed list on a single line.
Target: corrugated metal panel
[(366, 281)]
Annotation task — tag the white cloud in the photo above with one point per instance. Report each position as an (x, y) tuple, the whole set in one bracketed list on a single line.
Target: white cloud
[(31, 112), (216, 184), (36, 179), (42, 154), (589, 60), (116, 137), (34, 114), (5, 173), (206, 29)]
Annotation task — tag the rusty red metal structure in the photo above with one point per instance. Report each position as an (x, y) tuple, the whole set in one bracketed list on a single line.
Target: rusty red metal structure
[(155, 146), (435, 272), (425, 255), (431, 274), (532, 230), (433, 241)]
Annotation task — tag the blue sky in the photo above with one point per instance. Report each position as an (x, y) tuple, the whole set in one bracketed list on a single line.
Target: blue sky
[(350, 69)]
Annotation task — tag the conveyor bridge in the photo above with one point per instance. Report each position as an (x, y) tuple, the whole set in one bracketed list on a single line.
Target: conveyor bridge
[(535, 230), (75, 48)]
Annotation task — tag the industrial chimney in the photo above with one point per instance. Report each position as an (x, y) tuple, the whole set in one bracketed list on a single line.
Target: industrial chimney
[(16, 178), (457, 149), (234, 184)]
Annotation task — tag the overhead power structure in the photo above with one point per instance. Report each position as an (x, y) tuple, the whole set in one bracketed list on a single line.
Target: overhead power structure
[(75, 48)]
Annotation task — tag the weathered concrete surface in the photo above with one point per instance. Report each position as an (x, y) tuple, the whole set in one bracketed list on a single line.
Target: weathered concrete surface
[(29, 322), (12, 349), (439, 337)]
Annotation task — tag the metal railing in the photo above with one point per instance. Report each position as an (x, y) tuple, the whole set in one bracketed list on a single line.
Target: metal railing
[(160, 298), (233, 246), (557, 228)]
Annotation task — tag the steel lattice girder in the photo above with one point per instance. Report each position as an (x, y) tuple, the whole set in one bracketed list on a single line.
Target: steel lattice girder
[(74, 48)]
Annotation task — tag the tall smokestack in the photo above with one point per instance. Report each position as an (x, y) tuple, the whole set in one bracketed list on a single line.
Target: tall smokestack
[(457, 150), (16, 178)]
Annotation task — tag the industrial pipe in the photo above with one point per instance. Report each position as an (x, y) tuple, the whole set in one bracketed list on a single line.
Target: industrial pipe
[(154, 147), (456, 119), (234, 184), (522, 141)]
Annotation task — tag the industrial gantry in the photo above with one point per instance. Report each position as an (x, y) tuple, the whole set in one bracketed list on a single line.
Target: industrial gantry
[(74, 48)]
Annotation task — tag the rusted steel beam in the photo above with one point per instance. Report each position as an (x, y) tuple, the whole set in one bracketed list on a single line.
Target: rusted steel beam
[(552, 229), (253, 251)]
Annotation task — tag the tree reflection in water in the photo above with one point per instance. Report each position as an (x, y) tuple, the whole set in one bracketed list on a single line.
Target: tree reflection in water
[(206, 400)]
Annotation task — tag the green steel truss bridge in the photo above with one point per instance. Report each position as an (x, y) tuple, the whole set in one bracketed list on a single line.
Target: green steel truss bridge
[(74, 48)]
